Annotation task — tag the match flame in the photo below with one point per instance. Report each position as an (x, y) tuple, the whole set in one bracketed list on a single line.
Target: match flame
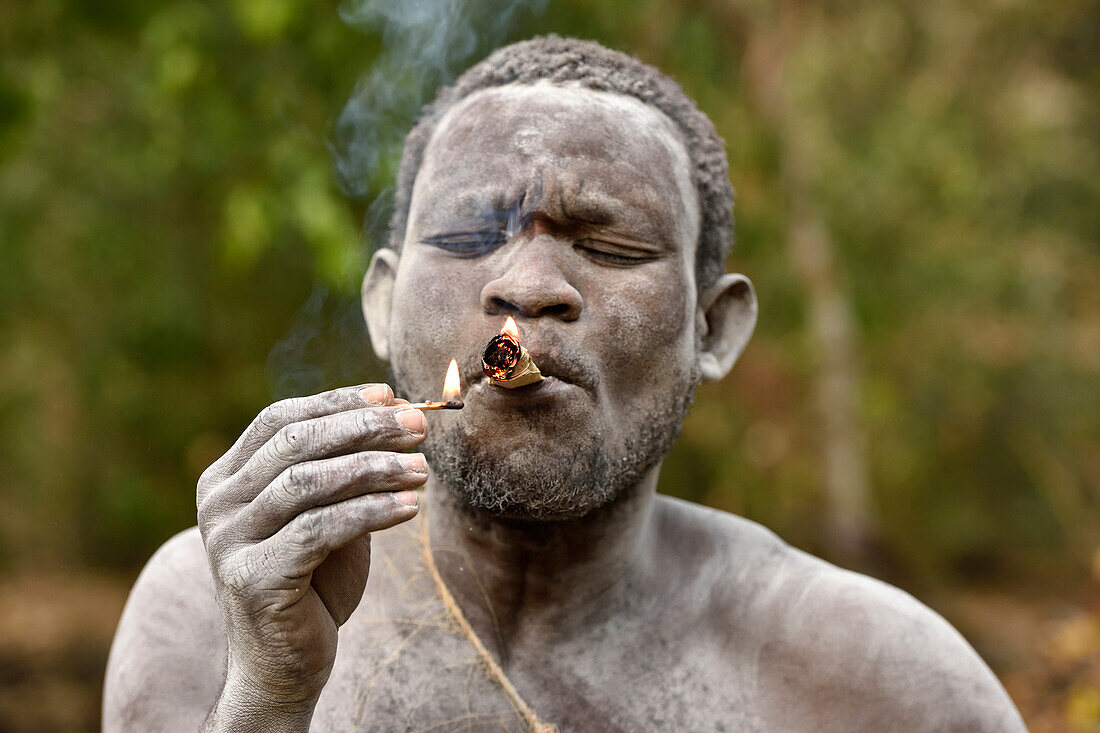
[(452, 389), (511, 329)]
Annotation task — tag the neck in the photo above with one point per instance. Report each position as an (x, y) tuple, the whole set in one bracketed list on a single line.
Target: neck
[(522, 582)]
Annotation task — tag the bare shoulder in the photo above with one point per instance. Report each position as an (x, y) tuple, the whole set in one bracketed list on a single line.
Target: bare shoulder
[(882, 657), (836, 650), (725, 549), (168, 657)]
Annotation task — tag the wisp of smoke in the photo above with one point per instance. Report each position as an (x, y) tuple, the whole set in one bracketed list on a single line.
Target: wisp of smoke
[(426, 44)]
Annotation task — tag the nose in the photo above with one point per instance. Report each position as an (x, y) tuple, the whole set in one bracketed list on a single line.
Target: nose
[(532, 283)]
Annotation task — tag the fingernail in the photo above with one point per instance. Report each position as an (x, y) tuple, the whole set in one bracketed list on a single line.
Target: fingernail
[(406, 498), (413, 462), (376, 394), (412, 420)]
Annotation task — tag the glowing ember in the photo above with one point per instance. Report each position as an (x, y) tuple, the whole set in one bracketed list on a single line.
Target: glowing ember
[(506, 363), (452, 389), (500, 357)]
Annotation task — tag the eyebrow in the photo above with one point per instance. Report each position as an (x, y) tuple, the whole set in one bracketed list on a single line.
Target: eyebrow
[(591, 210), (482, 199)]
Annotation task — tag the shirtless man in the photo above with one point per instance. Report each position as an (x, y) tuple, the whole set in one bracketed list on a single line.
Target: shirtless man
[(580, 192)]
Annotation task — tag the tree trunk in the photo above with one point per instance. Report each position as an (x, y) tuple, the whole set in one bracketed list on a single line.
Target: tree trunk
[(849, 527)]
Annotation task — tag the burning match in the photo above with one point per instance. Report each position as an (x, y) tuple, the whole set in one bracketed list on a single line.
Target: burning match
[(506, 363), (452, 393), (448, 405)]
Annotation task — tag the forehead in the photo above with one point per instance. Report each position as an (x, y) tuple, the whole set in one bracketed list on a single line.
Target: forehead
[(585, 144)]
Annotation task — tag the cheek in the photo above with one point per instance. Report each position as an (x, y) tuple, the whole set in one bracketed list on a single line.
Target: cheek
[(430, 319), (648, 328)]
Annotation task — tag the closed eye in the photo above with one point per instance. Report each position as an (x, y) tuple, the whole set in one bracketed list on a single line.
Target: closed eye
[(608, 253), (467, 244)]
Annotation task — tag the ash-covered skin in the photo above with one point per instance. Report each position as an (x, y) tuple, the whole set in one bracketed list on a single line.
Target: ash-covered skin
[(609, 607), (599, 277)]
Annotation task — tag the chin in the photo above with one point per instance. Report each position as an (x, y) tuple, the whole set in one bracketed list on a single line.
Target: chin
[(544, 468), (546, 480), (526, 483), (535, 513)]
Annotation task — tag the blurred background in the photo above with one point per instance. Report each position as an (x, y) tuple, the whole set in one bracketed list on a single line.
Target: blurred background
[(188, 197)]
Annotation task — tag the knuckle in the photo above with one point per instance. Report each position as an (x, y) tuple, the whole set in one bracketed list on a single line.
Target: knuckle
[(288, 443), (292, 481), (217, 553), (206, 480), (333, 400), (325, 474), (393, 464), (238, 573), (205, 515), (207, 483), (367, 467), (297, 481), (277, 414), (368, 423), (309, 529)]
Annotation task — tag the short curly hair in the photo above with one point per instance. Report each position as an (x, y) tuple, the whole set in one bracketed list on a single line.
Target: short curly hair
[(556, 59)]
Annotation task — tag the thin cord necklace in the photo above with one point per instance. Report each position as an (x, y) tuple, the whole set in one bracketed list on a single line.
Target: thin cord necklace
[(495, 673)]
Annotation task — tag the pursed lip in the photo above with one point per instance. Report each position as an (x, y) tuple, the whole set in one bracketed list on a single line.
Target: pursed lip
[(550, 363), (551, 366), (549, 388), (562, 378)]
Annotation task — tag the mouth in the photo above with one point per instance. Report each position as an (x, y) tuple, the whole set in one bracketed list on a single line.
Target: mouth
[(550, 389), (563, 378), (552, 366)]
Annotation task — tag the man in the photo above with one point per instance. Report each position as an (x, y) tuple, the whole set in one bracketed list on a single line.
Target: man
[(542, 582)]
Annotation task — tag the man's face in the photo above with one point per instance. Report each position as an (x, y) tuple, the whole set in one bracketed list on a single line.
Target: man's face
[(573, 211)]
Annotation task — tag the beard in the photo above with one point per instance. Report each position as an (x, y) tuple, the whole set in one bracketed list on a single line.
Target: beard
[(554, 480)]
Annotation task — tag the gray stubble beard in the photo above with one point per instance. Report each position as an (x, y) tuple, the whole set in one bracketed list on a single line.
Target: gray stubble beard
[(567, 481)]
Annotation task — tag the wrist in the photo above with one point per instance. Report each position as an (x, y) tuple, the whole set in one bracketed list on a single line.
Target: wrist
[(245, 707)]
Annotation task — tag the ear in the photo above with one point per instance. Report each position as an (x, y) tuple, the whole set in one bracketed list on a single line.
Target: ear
[(727, 317), (377, 295)]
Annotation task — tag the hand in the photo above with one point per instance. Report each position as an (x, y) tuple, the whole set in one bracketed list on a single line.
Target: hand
[(286, 517)]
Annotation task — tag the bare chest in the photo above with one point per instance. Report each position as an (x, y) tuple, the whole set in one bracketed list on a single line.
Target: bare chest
[(418, 672)]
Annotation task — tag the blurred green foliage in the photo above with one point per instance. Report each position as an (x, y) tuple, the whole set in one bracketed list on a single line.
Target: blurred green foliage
[(169, 218)]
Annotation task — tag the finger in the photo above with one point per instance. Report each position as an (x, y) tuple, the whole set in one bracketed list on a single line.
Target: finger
[(322, 437), (341, 578), (304, 486), (303, 544), (378, 428), (280, 414)]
